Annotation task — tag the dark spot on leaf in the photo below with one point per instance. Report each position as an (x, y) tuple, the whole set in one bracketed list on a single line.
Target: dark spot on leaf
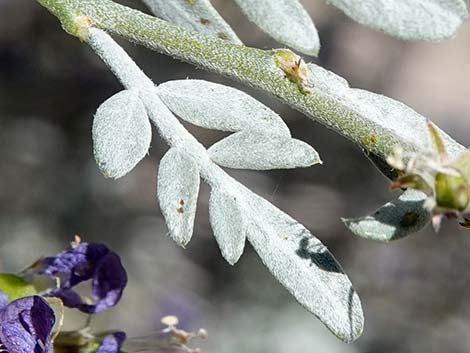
[(319, 256), (369, 141), (222, 35), (181, 202), (180, 210), (409, 219), (204, 21), (465, 224)]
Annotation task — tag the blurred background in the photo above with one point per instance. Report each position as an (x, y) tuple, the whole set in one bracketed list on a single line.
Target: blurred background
[(415, 292)]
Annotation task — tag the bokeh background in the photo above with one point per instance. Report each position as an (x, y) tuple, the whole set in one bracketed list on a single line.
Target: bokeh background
[(415, 292)]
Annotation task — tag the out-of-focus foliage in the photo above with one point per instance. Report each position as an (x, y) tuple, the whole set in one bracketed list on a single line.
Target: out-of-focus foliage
[(290, 24), (408, 19)]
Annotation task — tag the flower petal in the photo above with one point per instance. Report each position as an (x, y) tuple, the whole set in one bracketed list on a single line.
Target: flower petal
[(76, 264), (111, 343), (3, 299), (26, 325), (83, 262), (108, 283)]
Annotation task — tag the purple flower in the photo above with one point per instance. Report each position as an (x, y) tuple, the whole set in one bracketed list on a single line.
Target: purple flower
[(82, 262), (111, 343), (26, 325), (3, 300)]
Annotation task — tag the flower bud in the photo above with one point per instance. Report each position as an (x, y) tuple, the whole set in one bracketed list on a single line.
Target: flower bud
[(452, 192)]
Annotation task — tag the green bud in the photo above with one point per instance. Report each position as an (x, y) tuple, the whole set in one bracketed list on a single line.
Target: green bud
[(452, 192), (294, 68), (462, 164)]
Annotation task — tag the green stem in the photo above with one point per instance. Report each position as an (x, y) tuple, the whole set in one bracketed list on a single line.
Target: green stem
[(254, 67)]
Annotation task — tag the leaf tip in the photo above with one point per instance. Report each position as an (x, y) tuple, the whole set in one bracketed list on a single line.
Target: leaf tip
[(180, 239)]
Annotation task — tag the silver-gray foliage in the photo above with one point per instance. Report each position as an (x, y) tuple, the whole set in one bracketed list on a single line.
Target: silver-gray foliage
[(178, 189), (261, 150), (228, 221), (294, 256), (305, 267), (289, 23), (384, 116), (284, 20), (197, 15), (121, 133), (394, 220), (263, 141), (408, 19), (214, 106)]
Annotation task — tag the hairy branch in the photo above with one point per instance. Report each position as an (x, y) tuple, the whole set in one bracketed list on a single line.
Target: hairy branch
[(254, 67)]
